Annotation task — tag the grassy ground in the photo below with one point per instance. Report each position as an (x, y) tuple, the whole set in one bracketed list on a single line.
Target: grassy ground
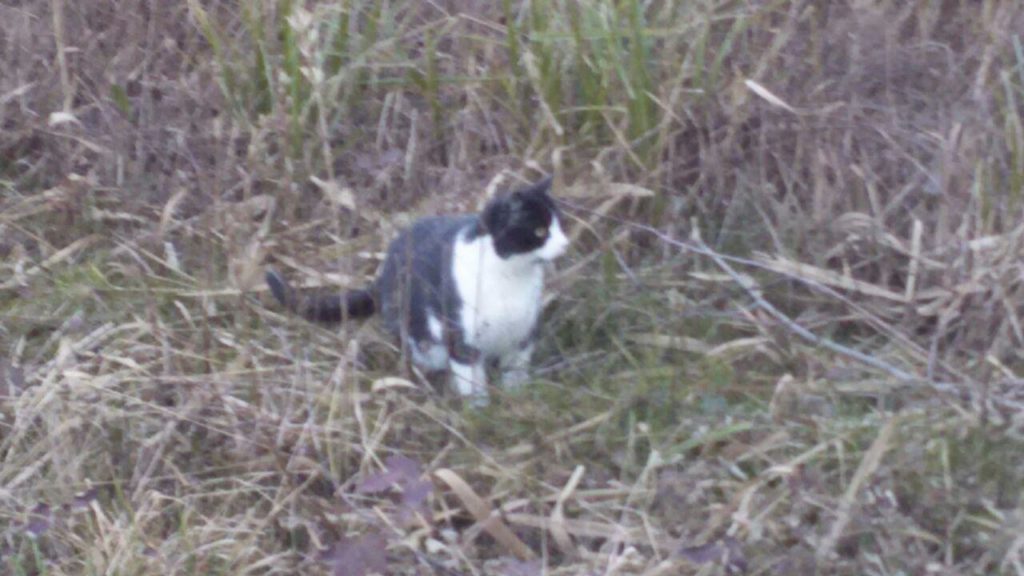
[(786, 339)]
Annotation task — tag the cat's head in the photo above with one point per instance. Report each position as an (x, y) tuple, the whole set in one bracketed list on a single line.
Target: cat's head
[(526, 223)]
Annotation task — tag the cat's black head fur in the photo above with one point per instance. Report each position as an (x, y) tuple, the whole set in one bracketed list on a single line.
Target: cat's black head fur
[(513, 220)]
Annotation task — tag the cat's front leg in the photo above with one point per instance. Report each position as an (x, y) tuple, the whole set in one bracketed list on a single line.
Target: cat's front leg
[(515, 367), (468, 368), (470, 381)]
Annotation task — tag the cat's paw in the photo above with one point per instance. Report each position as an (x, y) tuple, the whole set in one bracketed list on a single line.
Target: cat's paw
[(514, 379), (478, 400), (470, 381)]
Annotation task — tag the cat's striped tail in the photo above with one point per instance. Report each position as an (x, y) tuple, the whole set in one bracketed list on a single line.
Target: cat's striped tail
[(322, 308)]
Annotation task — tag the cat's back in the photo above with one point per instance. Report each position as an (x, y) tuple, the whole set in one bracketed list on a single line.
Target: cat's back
[(414, 283), (428, 238), (443, 227)]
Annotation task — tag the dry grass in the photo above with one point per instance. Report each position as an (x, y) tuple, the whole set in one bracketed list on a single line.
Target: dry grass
[(786, 340)]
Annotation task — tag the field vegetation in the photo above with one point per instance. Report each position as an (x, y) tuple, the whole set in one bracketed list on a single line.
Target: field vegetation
[(786, 339)]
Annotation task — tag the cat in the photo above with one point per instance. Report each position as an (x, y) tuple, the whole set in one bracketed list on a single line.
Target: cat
[(459, 291)]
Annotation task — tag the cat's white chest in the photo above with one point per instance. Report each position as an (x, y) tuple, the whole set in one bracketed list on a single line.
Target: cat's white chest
[(501, 298)]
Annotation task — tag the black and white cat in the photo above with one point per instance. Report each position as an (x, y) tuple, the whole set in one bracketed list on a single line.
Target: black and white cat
[(460, 291)]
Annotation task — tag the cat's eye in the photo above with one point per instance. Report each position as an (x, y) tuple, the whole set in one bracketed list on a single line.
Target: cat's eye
[(541, 232)]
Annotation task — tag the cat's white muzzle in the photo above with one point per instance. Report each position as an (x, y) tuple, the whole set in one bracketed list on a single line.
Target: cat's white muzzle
[(556, 243)]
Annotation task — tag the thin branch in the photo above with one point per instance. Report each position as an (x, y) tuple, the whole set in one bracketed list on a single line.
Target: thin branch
[(697, 245), (755, 293)]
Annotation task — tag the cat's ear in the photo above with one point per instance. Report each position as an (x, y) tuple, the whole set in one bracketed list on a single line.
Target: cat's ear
[(543, 186), (539, 188)]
